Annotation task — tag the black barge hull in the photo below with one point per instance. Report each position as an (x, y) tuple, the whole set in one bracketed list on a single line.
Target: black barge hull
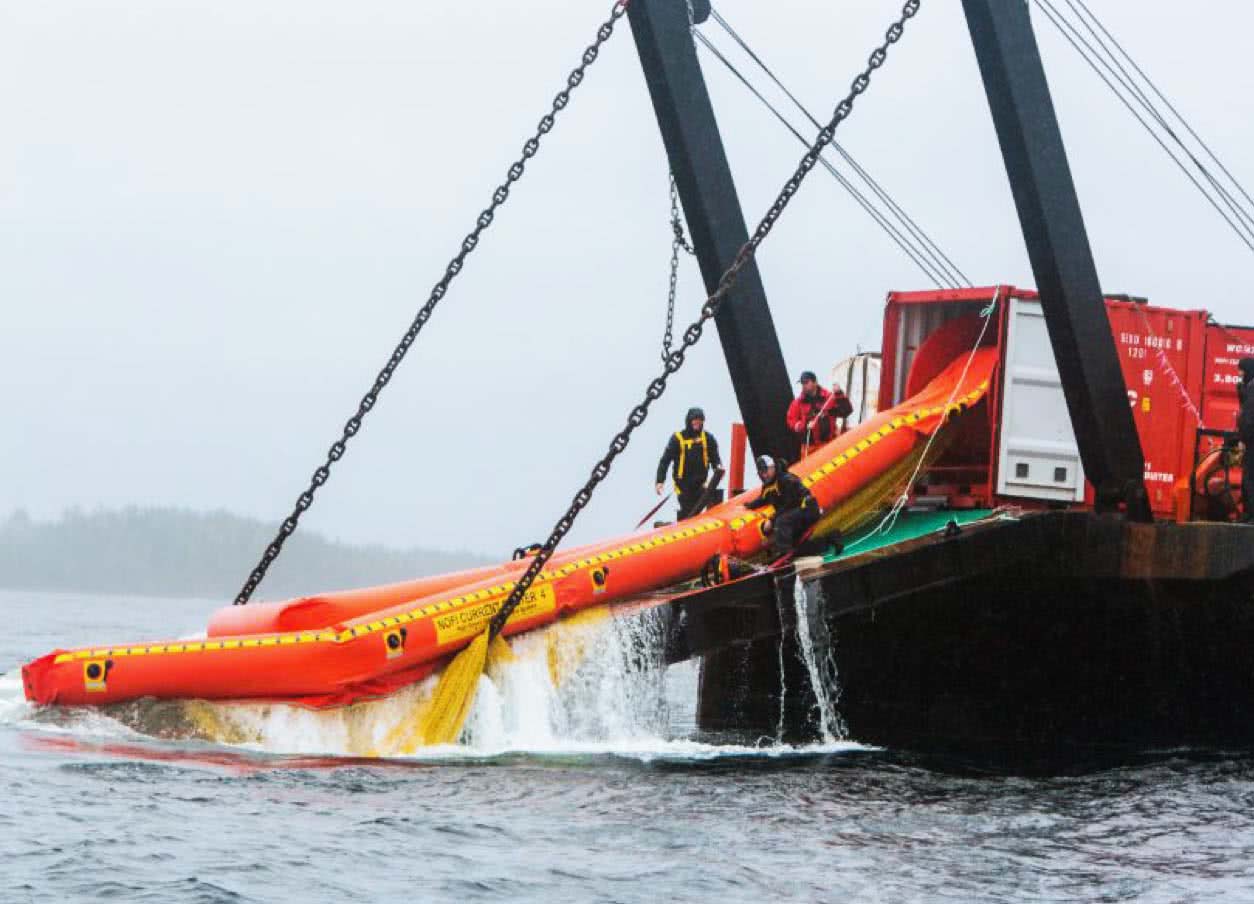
[(1059, 633)]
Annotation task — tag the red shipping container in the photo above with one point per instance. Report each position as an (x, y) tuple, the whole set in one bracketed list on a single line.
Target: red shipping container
[(1225, 346), (1162, 353)]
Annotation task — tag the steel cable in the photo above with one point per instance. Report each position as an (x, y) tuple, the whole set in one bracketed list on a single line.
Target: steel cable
[(1162, 97), (907, 247), (939, 257), (1079, 44), (1111, 61)]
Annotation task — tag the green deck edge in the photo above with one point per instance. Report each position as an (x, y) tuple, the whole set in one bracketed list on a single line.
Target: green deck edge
[(909, 526)]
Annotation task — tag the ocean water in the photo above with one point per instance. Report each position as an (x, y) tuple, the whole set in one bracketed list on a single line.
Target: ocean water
[(581, 781)]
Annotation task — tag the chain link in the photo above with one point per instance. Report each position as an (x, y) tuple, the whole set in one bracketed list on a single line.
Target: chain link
[(529, 149), (678, 241), (692, 334)]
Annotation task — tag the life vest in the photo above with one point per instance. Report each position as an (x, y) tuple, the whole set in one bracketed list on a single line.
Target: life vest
[(684, 446), (773, 489)]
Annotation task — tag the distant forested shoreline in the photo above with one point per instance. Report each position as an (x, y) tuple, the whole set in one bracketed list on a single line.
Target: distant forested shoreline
[(178, 552)]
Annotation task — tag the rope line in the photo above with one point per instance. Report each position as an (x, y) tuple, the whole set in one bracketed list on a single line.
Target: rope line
[(1166, 367)]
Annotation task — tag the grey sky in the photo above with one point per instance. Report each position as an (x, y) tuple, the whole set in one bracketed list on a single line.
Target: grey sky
[(216, 219)]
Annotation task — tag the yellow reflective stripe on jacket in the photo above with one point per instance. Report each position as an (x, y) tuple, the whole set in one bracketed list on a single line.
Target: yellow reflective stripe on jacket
[(684, 446)]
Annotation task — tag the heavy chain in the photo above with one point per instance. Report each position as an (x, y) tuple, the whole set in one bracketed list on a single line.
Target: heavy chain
[(709, 309), (469, 243), (678, 241)]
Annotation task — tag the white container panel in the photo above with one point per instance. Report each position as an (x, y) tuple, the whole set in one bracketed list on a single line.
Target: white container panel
[(1038, 457)]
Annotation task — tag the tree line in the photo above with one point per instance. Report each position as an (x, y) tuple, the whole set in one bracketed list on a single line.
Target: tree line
[(178, 552)]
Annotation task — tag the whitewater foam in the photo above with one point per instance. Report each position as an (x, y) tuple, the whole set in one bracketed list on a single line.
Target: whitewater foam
[(13, 705), (83, 722), (822, 673), (594, 686)]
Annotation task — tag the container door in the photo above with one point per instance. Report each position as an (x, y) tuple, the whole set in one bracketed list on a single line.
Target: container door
[(1038, 457), (1225, 347), (1161, 351)]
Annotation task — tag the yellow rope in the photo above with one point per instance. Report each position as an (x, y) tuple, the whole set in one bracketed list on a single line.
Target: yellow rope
[(868, 501)]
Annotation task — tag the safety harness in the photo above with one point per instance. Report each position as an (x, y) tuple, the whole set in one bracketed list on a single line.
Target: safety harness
[(687, 444), (772, 489)]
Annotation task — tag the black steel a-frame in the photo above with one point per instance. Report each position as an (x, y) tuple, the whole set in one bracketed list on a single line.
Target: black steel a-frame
[(1044, 194), (708, 193)]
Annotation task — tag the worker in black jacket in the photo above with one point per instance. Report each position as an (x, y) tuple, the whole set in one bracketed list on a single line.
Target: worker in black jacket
[(694, 454), (1245, 430), (796, 509)]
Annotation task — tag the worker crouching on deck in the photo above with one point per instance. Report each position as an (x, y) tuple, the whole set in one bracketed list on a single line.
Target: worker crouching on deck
[(1245, 430), (694, 455), (796, 509), (816, 413)]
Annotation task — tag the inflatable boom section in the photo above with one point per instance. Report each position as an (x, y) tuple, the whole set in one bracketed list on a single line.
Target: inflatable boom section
[(341, 647)]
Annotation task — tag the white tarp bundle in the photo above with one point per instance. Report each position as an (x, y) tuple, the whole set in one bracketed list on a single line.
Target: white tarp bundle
[(859, 377)]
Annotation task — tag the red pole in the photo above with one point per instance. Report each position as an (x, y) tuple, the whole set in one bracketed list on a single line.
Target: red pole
[(736, 475)]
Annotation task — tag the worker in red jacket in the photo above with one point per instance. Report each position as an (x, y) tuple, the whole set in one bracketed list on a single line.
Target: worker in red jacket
[(815, 413)]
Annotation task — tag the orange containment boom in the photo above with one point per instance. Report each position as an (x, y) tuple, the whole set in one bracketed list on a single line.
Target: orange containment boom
[(341, 647)]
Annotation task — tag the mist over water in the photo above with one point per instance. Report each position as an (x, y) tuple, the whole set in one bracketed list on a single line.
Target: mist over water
[(581, 778)]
